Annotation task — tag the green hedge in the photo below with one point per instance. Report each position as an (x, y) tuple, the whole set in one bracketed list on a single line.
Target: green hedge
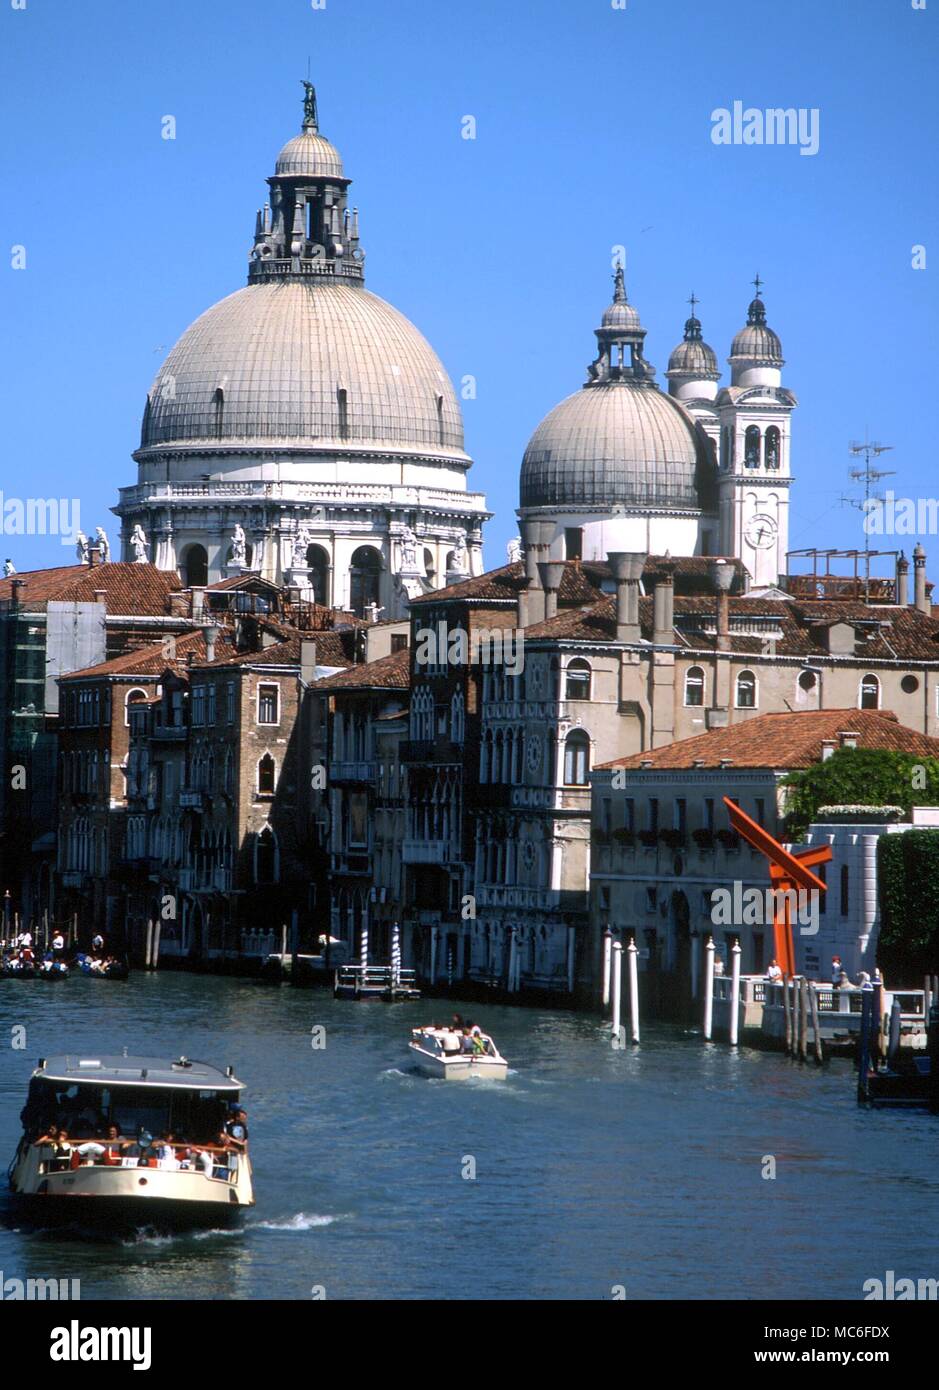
[(860, 776), (908, 891)]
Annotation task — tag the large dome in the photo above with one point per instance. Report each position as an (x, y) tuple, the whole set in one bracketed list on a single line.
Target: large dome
[(309, 155), (289, 363), (614, 444)]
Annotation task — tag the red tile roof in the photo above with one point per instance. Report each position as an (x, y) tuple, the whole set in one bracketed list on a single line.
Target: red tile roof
[(153, 660), (130, 589), (784, 740), (387, 673)]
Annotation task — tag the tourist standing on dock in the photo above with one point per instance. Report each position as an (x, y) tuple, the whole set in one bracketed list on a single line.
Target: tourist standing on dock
[(773, 972), (837, 970)]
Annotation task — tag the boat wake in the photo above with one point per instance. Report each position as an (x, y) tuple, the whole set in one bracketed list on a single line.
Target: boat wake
[(303, 1221)]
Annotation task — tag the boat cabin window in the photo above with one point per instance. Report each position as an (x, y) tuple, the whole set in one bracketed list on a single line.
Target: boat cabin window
[(86, 1111)]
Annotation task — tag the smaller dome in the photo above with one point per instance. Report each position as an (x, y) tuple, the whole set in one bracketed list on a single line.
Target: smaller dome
[(621, 316), (756, 341), (693, 357), (309, 155)]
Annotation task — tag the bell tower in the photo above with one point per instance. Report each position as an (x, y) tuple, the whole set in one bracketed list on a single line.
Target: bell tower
[(754, 458)]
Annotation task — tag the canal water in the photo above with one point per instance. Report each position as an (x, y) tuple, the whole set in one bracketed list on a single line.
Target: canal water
[(595, 1169)]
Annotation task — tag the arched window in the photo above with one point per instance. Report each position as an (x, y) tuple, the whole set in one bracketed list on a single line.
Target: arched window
[(577, 680), (576, 758), (430, 567), (870, 693), (751, 447), (364, 578), (746, 690), (194, 566), (218, 402), (317, 562), (694, 686), (771, 447), (266, 776), (456, 717), (265, 857), (133, 697)]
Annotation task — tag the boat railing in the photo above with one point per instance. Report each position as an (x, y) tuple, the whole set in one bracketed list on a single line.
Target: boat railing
[(64, 1164)]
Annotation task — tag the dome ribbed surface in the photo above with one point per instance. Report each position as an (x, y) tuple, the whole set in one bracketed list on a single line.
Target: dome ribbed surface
[(757, 342), (268, 366), (616, 444), (309, 154), (693, 358)]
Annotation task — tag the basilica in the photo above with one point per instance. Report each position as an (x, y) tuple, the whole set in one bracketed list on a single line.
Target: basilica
[(303, 429)]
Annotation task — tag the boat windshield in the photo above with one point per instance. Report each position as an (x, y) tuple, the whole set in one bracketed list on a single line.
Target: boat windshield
[(85, 1110)]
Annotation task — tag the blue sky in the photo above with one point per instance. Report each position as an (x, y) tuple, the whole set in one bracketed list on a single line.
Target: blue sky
[(593, 129)]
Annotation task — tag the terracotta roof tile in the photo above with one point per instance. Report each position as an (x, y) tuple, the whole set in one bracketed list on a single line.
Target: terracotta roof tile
[(784, 740), (130, 589), (387, 673)]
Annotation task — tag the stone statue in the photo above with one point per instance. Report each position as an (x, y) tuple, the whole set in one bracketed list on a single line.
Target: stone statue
[(458, 557), (514, 550), (138, 544), (8, 568), (81, 548), (104, 546), (300, 544), (408, 551), (239, 546)]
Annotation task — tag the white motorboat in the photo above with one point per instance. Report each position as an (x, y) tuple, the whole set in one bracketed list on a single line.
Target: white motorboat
[(446, 1054), (88, 1157)]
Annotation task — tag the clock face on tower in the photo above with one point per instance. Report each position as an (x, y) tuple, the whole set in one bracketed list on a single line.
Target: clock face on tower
[(760, 531)]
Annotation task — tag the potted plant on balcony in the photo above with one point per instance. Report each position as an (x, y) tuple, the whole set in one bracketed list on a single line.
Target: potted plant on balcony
[(624, 837), (600, 836), (649, 838), (703, 838), (729, 839), (672, 837)]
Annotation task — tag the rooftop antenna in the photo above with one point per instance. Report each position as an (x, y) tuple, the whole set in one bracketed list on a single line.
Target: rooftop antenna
[(868, 449)]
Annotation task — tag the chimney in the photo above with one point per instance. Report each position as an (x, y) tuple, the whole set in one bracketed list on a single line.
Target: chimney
[(627, 567), (307, 660), (848, 738), (920, 597), (209, 631), (522, 585), (15, 588), (198, 602), (101, 596), (721, 574), (663, 606), (903, 580), (551, 573), (536, 535), (828, 747), (94, 555)]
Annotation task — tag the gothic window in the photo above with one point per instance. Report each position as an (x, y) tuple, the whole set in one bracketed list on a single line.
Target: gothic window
[(265, 857), (576, 758), (746, 690), (771, 447), (751, 447), (266, 776), (870, 693), (577, 682), (694, 686)]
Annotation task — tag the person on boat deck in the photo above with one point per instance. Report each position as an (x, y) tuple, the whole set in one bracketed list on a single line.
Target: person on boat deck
[(97, 942), (467, 1045), (165, 1152), (773, 972), (223, 1142), (837, 970), (112, 1146), (61, 1150), (50, 1136), (237, 1128), (58, 943)]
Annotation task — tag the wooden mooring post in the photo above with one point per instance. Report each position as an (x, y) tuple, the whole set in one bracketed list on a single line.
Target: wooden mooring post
[(632, 953), (816, 1027), (708, 989), (787, 1011)]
